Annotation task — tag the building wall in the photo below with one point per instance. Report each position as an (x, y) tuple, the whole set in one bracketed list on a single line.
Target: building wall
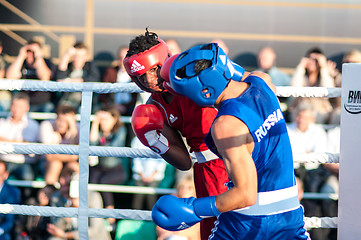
[(291, 27)]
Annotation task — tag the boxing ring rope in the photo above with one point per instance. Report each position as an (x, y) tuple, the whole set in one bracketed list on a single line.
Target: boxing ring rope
[(84, 151)]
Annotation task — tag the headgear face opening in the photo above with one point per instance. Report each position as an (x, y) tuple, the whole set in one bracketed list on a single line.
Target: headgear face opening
[(138, 64), (204, 87)]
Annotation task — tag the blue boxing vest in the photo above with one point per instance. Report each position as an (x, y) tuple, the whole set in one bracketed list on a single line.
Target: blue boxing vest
[(259, 109)]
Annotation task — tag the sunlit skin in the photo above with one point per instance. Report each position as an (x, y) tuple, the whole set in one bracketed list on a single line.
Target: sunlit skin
[(4, 174), (106, 122), (63, 122), (235, 144), (178, 154), (18, 109), (304, 119), (152, 80)]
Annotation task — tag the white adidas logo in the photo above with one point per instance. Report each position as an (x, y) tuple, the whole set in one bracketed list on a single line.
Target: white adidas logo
[(182, 226), (136, 66), (172, 118)]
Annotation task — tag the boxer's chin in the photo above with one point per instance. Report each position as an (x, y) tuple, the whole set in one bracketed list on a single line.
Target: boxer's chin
[(156, 89)]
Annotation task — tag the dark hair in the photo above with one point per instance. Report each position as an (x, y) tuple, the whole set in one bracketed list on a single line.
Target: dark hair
[(80, 45), (142, 43), (20, 95), (313, 50), (64, 109), (115, 113), (51, 188), (66, 172), (32, 41), (199, 66)]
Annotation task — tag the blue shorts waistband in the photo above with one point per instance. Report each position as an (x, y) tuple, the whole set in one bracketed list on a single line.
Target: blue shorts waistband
[(273, 202)]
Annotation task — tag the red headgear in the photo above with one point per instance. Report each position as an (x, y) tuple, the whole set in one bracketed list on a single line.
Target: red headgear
[(138, 64)]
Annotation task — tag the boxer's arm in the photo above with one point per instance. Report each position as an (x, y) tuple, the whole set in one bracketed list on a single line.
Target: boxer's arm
[(235, 144), (177, 155), (148, 125)]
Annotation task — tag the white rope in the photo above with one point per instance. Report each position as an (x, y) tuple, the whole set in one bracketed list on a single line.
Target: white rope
[(310, 222), (100, 187), (74, 212), (36, 148), (308, 92), (50, 86), (316, 157), (36, 85), (323, 222)]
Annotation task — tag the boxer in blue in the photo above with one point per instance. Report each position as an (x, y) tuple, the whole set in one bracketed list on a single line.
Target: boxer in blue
[(249, 133)]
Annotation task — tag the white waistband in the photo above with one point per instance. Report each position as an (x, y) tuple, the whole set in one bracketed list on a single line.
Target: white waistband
[(205, 156), (273, 202)]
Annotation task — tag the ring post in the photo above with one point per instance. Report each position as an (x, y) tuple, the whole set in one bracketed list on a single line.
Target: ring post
[(349, 210)]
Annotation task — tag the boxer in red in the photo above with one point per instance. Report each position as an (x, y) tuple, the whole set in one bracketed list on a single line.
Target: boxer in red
[(180, 117)]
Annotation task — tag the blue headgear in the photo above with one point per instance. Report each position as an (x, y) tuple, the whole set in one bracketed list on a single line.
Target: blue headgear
[(204, 88)]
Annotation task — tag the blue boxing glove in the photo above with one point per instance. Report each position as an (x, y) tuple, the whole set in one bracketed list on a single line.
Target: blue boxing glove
[(174, 214)]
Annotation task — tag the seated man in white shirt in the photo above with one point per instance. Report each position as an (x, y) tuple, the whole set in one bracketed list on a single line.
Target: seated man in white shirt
[(19, 128), (308, 137), (305, 135), (147, 172)]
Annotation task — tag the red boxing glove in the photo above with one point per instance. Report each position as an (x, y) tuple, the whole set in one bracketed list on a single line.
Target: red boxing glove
[(164, 74), (147, 123)]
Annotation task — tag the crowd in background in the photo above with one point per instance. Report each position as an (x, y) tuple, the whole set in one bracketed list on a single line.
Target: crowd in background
[(313, 127)]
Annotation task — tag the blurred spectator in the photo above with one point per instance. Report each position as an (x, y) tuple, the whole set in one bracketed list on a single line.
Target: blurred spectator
[(108, 130), (308, 137), (62, 130), (185, 189), (60, 198), (147, 172), (8, 194), (330, 207), (5, 95), (34, 227), (2, 62), (75, 66), (267, 63), (68, 196), (18, 128), (222, 44), (353, 56), (125, 102), (173, 46), (30, 64), (313, 71)]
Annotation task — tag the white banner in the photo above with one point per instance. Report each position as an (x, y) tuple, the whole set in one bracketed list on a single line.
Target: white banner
[(349, 212)]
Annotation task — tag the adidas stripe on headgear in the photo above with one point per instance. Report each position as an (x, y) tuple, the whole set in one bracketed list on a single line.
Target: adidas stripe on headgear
[(138, 64), (204, 87)]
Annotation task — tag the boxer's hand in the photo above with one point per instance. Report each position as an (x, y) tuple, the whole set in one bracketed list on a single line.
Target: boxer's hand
[(164, 74), (147, 123), (174, 214)]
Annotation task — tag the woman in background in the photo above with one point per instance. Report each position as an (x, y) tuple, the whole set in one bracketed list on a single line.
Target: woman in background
[(108, 130)]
